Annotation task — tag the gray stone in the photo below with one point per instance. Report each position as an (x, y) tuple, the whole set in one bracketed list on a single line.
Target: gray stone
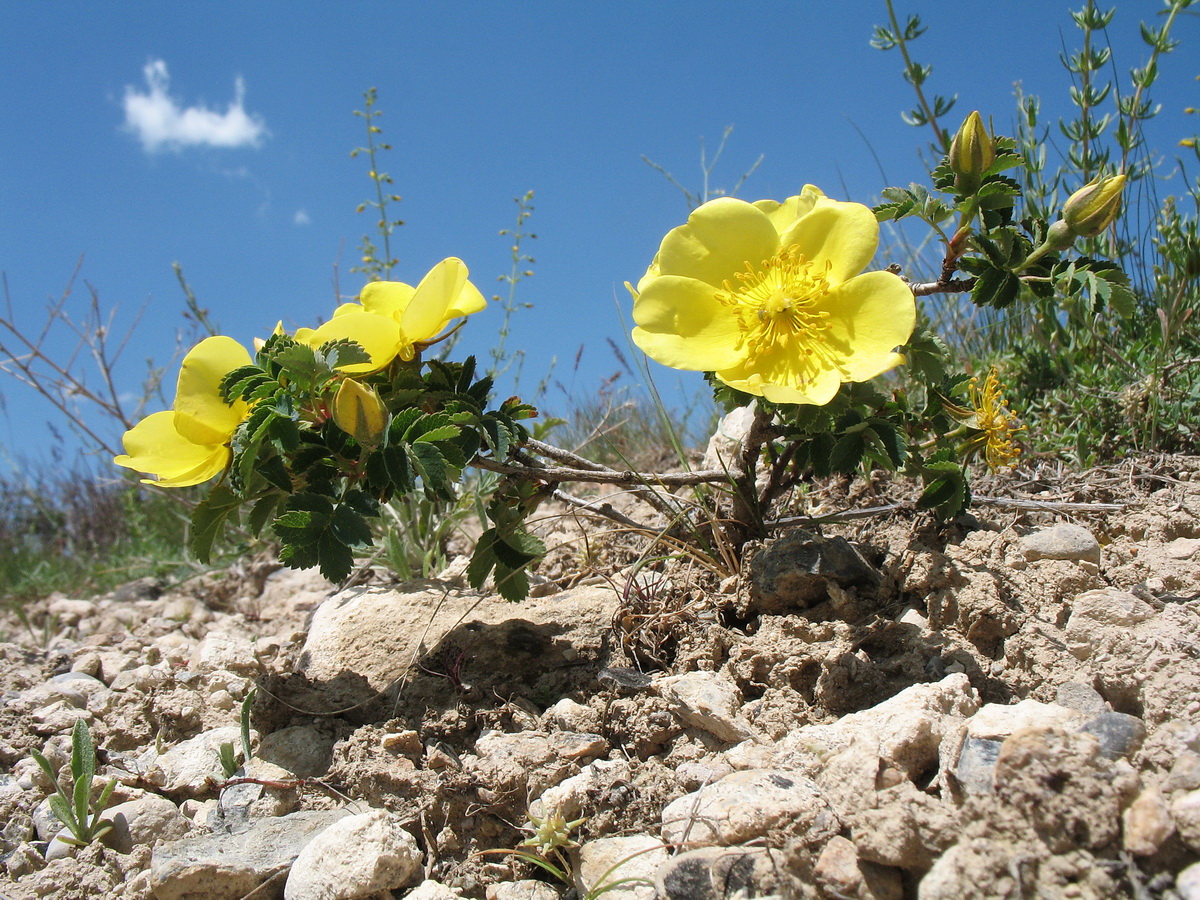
[(356, 856), (192, 767), (716, 873), (432, 890), (1082, 697), (795, 571), (707, 701), (1119, 734), (1065, 541), (976, 768), (230, 866)]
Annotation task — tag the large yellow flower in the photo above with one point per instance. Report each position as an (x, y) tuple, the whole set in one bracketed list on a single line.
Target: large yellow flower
[(769, 297), (190, 444), (394, 319)]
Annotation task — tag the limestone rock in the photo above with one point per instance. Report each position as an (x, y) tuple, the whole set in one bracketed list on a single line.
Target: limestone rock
[(356, 856), (715, 873), (707, 701), (747, 805), (610, 859)]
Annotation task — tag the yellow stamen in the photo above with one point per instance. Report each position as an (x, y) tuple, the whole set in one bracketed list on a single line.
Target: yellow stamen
[(997, 425), (776, 306)]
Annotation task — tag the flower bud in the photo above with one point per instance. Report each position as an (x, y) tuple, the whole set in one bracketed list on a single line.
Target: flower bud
[(971, 153), (1094, 206), (359, 412)]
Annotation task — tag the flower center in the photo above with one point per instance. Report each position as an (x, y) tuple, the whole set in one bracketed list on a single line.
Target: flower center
[(776, 305)]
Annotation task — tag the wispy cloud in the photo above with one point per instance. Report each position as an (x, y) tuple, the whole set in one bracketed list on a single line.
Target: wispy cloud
[(301, 218), (159, 120)]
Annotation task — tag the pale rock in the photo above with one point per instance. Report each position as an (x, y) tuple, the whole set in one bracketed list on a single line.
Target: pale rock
[(1187, 882), (70, 611), (221, 700), (144, 820), (576, 746), (903, 732), (241, 802), (569, 796), (526, 889), (223, 866), (840, 873), (59, 847), (1083, 697), (354, 857), (1146, 823), (1181, 548), (141, 678), (996, 721), (432, 890), (1065, 541), (1185, 811), (525, 761), (23, 860), (361, 640), (725, 445), (193, 766), (569, 715), (707, 701), (287, 592), (610, 859), (57, 718), (699, 772), (1096, 613), (747, 805), (304, 750), (229, 650), (913, 617)]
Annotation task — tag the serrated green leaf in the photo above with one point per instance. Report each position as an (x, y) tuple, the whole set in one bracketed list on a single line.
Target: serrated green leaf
[(996, 288), (513, 584), (334, 558), (846, 455), (349, 527), (261, 513), (208, 519), (483, 559)]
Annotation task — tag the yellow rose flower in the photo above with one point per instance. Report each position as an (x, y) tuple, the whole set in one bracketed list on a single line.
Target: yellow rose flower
[(190, 444), (769, 297), (396, 319)]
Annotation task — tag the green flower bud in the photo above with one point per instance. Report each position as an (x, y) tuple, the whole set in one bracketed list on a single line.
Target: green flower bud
[(359, 412), (971, 153), (1094, 206)]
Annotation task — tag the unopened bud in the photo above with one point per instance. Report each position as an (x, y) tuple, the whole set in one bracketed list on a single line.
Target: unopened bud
[(971, 153), (1094, 206), (359, 412)]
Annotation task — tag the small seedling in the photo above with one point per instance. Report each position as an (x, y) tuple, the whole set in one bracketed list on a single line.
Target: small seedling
[(229, 763), (75, 808)]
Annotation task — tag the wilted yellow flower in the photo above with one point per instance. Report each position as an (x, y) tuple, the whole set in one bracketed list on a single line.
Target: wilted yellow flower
[(190, 444), (997, 426), (769, 297), (359, 412), (396, 319)]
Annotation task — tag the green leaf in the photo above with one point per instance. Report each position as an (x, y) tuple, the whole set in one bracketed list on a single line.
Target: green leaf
[(261, 512), (513, 584), (208, 519), (334, 558), (483, 559), (996, 288), (63, 812), (349, 527), (846, 455)]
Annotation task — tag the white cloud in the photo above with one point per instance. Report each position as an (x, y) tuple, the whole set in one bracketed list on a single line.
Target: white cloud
[(159, 121), (301, 217)]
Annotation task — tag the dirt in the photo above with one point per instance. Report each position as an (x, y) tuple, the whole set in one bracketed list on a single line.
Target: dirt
[(969, 597)]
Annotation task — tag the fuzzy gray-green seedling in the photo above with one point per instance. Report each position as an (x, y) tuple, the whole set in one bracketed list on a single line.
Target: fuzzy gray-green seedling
[(75, 808)]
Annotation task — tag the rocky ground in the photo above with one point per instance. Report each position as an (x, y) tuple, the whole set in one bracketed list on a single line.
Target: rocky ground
[(1007, 707)]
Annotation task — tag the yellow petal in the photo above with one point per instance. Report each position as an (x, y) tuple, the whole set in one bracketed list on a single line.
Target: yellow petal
[(844, 235), (359, 412), (155, 447), (869, 317), (201, 415), (387, 298), (819, 386), (443, 294), (717, 242), (345, 308), (681, 324), (378, 335), (784, 215)]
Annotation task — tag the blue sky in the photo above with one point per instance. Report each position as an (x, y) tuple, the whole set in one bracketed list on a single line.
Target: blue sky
[(140, 134)]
